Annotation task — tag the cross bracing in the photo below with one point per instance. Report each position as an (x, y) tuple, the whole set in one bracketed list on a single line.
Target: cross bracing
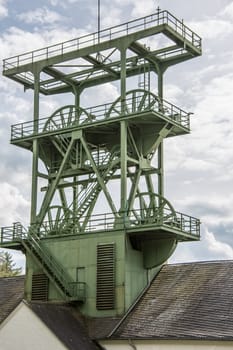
[(71, 117), (183, 44), (76, 142), (99, 171)]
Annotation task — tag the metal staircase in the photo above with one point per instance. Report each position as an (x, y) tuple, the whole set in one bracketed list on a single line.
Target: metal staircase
[(89, 194), (61, 143), (81, 156), (71, 290)]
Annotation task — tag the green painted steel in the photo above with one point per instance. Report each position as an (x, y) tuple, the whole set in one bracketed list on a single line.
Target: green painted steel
[(103, 165)]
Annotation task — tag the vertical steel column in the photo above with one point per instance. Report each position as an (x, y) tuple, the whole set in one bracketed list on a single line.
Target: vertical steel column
[(123, 137), (77, 93), (77, 97), (160, 149), (35, 146)]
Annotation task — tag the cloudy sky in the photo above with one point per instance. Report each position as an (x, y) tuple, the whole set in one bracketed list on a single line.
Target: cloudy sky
[(199, 167)]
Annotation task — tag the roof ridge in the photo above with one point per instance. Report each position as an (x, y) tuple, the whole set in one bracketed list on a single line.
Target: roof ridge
[(200, 262)]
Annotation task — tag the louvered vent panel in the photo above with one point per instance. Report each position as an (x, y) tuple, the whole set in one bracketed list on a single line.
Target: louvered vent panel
[(39, 287), (105, 283)]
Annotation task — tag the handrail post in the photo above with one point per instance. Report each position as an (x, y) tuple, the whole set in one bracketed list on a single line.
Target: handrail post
[(14, 230)]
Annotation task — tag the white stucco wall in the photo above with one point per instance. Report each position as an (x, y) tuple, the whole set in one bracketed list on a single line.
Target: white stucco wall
[(24, 330), (166, 345)]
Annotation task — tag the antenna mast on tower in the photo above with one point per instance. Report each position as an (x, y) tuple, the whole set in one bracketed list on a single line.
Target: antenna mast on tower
[(98, 56), (98, 21), (100, 225)]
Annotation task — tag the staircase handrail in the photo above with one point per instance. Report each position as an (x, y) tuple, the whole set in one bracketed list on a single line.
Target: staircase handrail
[(57, 270), (85, 191), (18, 233), (94, 184)]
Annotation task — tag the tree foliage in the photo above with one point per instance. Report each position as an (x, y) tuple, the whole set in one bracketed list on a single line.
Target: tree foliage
[(7, 265)]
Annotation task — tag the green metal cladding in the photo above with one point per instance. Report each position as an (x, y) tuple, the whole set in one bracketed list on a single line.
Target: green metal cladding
[(100, 224)]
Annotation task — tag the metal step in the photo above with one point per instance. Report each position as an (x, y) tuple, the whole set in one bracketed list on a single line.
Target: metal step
[(53, 269)]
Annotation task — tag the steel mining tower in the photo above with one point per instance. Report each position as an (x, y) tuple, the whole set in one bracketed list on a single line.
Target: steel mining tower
[(100, 224)]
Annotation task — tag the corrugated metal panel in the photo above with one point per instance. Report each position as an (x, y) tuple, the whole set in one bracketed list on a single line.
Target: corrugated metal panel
[(40, 287), (105, 280)]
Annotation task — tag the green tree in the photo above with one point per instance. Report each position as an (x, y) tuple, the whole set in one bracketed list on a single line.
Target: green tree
[(7, 265)]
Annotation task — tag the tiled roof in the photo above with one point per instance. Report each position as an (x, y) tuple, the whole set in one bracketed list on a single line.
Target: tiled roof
[(11, 294), (63, 320), (66, 323), (184, 301), (101, 327)]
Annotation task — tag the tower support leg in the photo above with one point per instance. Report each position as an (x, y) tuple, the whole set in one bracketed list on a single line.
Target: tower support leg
[(123, 134), (160, 148), (35, 150)]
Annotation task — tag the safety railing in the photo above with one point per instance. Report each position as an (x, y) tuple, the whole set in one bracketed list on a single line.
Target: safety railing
[(77, 289), (13, 233), (55, 269), (98, 114), (156, 19), (135, 219), (17, 233)]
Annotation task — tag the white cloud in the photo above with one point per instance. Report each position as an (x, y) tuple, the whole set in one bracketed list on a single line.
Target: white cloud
[(3, 9), (96, 96), (216, 248), (17, 41), (109, 16), (14, 207), (173, 93), (209, 206), (205, 157), (212, 28), (20, 107), (139, 8), (209, 248), (228, 11), (40, 16), (62, 3), (48, 106)]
